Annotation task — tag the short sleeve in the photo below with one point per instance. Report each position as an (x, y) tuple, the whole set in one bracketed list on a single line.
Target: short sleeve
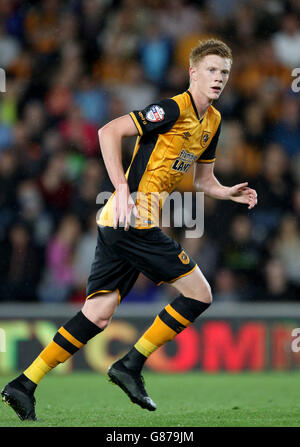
[(156, 118), (209, 155)]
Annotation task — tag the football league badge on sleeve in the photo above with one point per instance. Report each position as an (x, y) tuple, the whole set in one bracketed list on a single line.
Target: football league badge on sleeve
[(155, 114)]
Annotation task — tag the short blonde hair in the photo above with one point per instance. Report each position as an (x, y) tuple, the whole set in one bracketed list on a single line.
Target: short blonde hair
[(210, 46)]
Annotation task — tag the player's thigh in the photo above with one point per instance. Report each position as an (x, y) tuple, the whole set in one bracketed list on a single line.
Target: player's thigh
[(111, 279), (194, 285)]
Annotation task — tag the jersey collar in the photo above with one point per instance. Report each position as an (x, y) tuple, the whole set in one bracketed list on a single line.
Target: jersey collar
[(194, 107)]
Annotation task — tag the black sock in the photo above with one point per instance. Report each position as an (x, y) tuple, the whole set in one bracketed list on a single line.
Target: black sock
[(134, 360), (25, 383)]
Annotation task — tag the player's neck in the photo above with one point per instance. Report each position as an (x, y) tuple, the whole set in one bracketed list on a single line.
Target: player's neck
[(201, 101)]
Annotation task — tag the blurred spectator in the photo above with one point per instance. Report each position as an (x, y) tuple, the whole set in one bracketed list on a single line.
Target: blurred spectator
[(9, 178), (134, 91), (28, 151), (6, 136), (287, 248), (225, 287), (241, 255), (9, 48), (32, 211), (121, 33), (69, 28), (92, 101), (155, 53), (178, 18), (52, 142), (109, 69), (41, 24), (273, 188), (55, 189), (80, 133), (255, 125), (72, 63), (262, 72), (22, 67), (83, 258), (286, 131), (35, 120), (222, 9), (59, 97), (60, 274), (20, 266), (84, 199), (286, 42), (244, 157), (91, 23), (276, 285)]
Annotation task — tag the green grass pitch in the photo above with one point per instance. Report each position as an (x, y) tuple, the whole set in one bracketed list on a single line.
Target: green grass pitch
[(86, 399)]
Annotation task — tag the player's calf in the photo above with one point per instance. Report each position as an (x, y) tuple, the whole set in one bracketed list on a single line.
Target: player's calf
[(19, 393)]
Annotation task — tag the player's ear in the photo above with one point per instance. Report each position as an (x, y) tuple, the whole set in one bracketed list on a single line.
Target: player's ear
[(193, 75)]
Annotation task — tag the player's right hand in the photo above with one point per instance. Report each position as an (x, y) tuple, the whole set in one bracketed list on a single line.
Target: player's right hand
[(124, 207)]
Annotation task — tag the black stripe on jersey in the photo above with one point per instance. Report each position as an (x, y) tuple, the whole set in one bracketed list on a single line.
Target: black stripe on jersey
[(148, 140), (171, 321), (210, 151), (65, 344), (194, 106), (139, 164)]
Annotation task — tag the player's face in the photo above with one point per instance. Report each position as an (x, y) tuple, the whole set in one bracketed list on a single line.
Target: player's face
[(210, 75)]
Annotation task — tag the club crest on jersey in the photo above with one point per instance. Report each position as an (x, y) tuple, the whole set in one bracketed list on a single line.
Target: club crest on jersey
[(205, 137), (155, 114)]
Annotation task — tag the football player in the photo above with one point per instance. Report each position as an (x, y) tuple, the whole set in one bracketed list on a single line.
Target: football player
[(172, 134)]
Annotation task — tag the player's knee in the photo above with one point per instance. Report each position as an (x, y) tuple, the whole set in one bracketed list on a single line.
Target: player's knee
[(204, 294), (102, 324), (208, 296), (100, 309)]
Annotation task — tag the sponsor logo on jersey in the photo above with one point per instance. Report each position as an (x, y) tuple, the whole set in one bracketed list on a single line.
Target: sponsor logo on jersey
[(155, 114), (184, 161)]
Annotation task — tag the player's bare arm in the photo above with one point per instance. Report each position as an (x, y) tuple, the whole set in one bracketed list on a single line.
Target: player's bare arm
[(110, 139), (205, 181)]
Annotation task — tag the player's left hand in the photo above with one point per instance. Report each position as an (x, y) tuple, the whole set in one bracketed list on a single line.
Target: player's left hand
[(241, 193)]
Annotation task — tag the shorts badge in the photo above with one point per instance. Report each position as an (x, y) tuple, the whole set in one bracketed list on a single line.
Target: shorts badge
[(184, 257)]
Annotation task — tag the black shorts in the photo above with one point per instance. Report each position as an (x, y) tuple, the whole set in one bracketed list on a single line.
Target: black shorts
[(121, 255)]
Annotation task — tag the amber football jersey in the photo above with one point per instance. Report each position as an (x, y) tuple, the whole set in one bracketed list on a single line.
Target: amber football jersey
[(171, 138)]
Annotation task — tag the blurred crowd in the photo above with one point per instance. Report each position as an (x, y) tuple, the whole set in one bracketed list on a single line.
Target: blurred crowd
[(71, 66)]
